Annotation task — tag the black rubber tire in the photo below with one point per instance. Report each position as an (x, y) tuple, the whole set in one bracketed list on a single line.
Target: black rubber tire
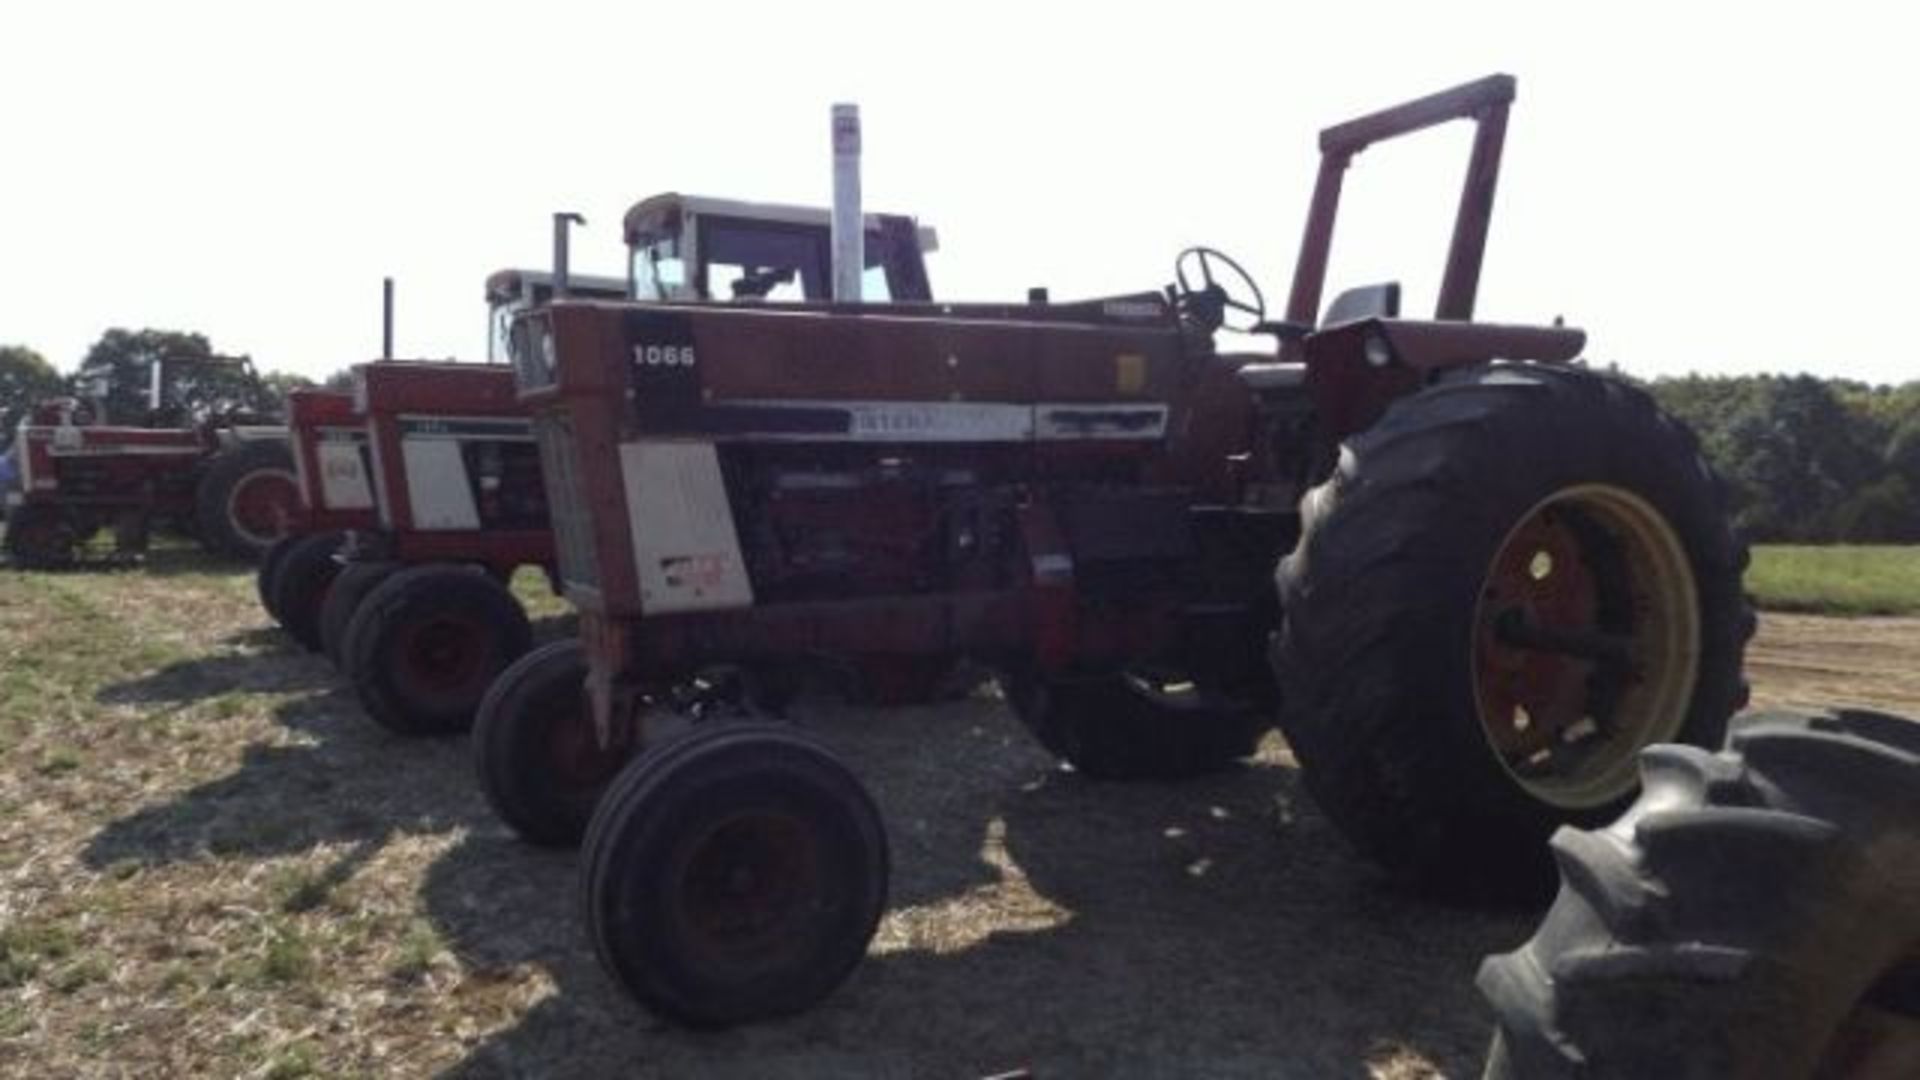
[(1108, 726), (229, 469), (656, 827), (534, 747), (453, 618), (270, 565), (350, 588), (41, 538), (1380, 596), (1753, 915), (300, 585)]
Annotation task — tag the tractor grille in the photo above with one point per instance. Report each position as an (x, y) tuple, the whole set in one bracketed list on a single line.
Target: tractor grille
[(566, 502)]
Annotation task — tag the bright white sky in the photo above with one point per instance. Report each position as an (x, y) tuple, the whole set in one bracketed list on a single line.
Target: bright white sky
[(1702, 187)]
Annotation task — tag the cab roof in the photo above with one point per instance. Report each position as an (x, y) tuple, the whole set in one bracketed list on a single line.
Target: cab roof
[(661, 213)]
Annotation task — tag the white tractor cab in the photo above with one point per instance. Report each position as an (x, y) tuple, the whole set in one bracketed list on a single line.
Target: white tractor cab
[(511, 292), (689, 247)]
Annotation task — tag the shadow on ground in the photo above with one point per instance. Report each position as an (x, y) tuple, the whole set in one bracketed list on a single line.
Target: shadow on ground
[(346, 786), (1209, 928)]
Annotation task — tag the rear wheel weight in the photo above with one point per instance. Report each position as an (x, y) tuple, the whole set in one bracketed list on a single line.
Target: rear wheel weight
[(733, 874), (426, 643), (1517, 579), (306, 572), (539, 762)]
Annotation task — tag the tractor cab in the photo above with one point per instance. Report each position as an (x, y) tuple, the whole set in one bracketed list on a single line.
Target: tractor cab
[(689, 247), (511, 292)]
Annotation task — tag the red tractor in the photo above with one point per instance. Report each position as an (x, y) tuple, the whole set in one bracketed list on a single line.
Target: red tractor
[(415, 609), (1468, 577), (212, 467)]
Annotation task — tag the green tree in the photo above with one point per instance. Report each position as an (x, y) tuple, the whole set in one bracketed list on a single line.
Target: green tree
[(25, 377)]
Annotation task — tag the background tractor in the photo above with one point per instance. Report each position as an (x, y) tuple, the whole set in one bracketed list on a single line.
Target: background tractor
[(1468, 577), (414, 607), (202, 455)]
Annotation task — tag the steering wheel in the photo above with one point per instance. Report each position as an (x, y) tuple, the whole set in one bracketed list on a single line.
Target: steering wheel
[(1210, 302)]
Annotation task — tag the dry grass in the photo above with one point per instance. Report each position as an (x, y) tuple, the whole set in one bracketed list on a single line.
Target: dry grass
[(212, 864)]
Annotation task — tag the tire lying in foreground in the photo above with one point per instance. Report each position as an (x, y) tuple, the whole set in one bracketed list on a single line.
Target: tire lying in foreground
[(426, 644), (1511, 583), (1122, 726), (247, 498), (355, 581), (1755, 914), (540, 765), (734, 873), (270, 565), (301, 581)]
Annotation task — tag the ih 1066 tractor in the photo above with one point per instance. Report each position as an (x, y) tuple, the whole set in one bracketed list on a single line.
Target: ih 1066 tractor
[(1468, 578), (212, 469), (413, 606)]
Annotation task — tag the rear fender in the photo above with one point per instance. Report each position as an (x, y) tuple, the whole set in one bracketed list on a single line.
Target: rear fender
[(1356, 369)]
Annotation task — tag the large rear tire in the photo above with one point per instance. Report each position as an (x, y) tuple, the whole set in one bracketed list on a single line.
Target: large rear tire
[(1127, 726), (1753, 915), (428, 642), (540, 765), (1514, 581), (350, 588), (247, 499), (305, 575), (733, 874)]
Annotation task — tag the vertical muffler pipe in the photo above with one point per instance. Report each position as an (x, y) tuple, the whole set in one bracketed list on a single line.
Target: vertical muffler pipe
[(562, 221), (386, 318), (849, 227)]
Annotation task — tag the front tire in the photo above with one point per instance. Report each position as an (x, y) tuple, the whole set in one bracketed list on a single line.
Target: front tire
[(540, 765), (736, 873), (1752, 915), (270, 565), (425, 645), (1514, 581), (41, 538), (305, 575), (354, 582)]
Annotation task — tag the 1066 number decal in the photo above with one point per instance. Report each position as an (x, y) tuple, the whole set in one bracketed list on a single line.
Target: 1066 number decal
[(663, 355)]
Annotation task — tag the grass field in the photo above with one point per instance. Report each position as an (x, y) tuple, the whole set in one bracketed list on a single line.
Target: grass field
[(1837, 579)]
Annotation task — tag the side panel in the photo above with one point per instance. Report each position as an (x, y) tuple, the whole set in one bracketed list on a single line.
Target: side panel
[(437, 484), (344, 484), (685, 550)]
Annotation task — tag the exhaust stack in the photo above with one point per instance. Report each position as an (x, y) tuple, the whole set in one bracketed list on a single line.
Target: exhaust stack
[(849, 231), (562, 222), (386, 318)]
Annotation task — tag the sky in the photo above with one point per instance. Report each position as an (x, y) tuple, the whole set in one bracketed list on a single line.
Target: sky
[(1711, 188)]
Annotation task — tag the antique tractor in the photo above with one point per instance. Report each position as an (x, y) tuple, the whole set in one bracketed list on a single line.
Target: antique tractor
[(335, 474), (1467, 577), (199, 458), (415, 611)]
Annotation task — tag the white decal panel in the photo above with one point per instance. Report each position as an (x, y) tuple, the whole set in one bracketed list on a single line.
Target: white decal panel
[(685, 550), (938, 421), (437, 485), (343, 476)]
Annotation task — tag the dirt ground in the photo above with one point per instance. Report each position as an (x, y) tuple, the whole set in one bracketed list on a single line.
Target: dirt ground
[(213, 864)]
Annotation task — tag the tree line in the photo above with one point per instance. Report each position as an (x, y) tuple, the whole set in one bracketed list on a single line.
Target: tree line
[(1806, 459)]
